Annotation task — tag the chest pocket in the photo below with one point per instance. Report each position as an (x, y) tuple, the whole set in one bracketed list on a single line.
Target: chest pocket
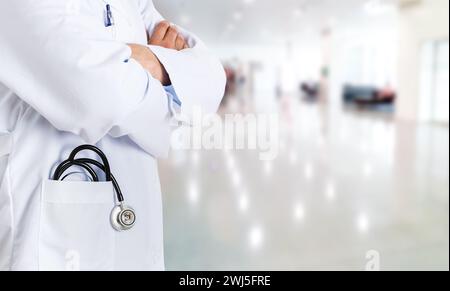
[(128, 24)]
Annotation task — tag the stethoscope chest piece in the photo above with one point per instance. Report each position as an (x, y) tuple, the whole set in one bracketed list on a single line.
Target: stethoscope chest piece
[(123, 217)]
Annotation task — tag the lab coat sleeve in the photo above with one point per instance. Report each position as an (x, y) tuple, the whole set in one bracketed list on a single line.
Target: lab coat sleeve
[(197, 76), (64, 63)]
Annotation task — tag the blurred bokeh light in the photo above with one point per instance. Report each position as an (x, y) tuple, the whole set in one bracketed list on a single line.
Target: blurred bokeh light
[(361, 88)]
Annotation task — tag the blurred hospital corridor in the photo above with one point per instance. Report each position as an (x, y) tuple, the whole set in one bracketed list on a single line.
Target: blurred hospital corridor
[(361, 179)]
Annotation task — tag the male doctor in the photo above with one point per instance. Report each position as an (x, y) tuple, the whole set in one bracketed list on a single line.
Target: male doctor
[(107, 72)]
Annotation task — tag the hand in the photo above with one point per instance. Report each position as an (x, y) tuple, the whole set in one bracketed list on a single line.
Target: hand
[(144, 56), (167, 36)]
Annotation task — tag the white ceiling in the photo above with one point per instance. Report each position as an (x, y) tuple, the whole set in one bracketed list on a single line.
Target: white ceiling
[(257, 21)]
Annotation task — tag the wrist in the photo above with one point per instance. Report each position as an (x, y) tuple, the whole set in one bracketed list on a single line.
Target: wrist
[(159, 72)]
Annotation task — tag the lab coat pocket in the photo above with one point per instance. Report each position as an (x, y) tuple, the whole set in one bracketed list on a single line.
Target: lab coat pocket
[(75, 229)]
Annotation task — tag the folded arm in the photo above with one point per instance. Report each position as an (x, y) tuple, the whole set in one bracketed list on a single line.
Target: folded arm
[(196, 75), (69, 70), (164, 35)]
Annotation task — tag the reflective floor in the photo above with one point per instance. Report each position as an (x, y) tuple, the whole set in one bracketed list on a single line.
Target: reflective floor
[(346, 187)]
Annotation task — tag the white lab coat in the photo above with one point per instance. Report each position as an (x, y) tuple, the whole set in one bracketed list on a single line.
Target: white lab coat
[(65, 81)]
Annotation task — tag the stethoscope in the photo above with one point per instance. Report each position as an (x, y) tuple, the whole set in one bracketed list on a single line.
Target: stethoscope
[(123, 217)]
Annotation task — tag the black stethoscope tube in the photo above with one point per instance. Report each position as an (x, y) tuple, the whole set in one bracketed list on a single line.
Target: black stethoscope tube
[(106, 169), (86, 164), (64, 166)]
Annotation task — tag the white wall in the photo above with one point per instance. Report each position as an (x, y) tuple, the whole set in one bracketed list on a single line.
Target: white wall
[(418, 24)]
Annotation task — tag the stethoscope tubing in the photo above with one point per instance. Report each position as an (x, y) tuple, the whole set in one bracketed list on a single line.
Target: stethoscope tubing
[(87, 164)]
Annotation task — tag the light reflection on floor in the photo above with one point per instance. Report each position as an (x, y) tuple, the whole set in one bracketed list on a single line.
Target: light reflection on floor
[(342, 186)]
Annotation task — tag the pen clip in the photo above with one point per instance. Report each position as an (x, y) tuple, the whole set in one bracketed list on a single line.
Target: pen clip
[(109, 20)]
